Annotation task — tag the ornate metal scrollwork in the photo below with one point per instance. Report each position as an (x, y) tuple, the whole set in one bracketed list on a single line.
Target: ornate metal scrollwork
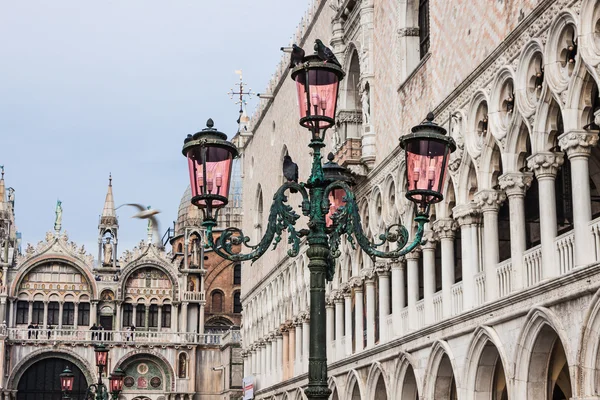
[(281, 217)]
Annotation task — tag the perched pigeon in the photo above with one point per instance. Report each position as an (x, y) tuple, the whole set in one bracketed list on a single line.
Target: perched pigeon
[(297, 56), (145, 213), (325, 53), (290, 171)]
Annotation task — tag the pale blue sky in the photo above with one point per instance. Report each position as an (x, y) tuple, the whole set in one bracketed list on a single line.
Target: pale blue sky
[(92, 87)]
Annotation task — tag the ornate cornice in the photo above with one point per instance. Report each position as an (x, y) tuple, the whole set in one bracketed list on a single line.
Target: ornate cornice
[(515, 183), (545, 165)]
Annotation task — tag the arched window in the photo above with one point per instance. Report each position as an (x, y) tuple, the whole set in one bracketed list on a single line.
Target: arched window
[(22, 312), (237, 303), (140, 316), (423, 27), (68, 317), (182, 365), (237, 274), (83, 314), (53, 308), (166, 316), (217, 302), (153, 316), (127, 315)]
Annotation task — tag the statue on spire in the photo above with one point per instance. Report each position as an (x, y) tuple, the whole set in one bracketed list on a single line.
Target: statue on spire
[(58, 219), (149, 229)]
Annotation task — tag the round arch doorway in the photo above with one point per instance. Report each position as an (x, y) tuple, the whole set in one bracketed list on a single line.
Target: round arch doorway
[(41, 380)]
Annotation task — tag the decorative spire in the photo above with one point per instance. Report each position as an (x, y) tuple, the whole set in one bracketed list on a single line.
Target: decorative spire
[(3, 205), (109, 215)]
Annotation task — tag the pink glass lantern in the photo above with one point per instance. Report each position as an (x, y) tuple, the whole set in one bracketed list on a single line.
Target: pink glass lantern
[(317, 84), (116, 381), (427, 150), (335, 173), (66, 380), (101, 355), (210, 158)]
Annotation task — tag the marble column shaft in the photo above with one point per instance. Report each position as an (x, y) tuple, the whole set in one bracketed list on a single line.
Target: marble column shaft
[(445, 228)]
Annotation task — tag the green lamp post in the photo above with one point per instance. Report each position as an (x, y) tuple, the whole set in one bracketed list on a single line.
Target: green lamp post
[(327, 199)]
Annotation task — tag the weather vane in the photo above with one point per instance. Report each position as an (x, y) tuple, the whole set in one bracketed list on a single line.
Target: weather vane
[(239, 95)]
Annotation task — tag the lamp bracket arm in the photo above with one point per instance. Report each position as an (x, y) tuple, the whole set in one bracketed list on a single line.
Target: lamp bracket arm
[(347, 221), (281, 217)]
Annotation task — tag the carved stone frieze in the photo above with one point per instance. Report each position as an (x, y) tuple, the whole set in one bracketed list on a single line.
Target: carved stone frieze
[(56, 244), (409, 31), (545, 164), (515, 183)]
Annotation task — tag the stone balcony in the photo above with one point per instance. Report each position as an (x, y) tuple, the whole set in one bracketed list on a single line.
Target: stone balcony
[(193, 296)]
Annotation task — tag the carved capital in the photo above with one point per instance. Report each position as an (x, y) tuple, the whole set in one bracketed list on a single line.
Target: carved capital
[(337, 296), (545, 164), (515, 184), (368, 274), (429, 240), (356, 282), (445, 228), (467, 214), (382, 268), (413, 255), (578, 143), (329, 301), (490, 199)]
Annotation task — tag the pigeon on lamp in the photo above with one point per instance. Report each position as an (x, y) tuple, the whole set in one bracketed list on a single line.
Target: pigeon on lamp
[(325, 53), (290, 171), (297, 56), (145, 213)]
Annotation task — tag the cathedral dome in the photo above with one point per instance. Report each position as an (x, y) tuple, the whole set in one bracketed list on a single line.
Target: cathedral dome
[(190, 216)]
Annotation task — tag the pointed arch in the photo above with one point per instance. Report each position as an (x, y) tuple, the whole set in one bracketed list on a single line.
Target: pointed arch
[(468, 182), (440, 372), (515, 151), (485, 354), (588, 355), (354, 385), (376, 373), (405, 381), (541, 329)]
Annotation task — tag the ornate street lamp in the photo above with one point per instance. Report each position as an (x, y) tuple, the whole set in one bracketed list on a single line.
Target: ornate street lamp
[(101, 356), (426, 154), (66, 382), (116, 382)]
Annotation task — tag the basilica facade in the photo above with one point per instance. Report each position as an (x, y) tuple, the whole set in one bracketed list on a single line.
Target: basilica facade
[(501, 300), (168, 318)]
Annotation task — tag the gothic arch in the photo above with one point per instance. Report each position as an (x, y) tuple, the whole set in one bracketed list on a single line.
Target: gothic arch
[(539, 322), (481, 362), (152, 356), (353, 382), (516, 140), (404, 372), (49, 258), (431, 388), (145, 263), (588, 355), (377, 372), (333, 386), (19, 369)]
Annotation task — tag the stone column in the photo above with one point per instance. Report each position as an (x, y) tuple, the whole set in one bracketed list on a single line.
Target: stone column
[(94, 312), (184, 315), (279, 361), (383, 276), (428, 246), (45, 324), (330, 326), (469, 218), (76, 316), (30, 313), (13, 313), (515, 184), (445, 228), (174, 317), (286, 353), (268, 358), (201, 317), (159, 315), (369, 275), (338, 299), (60, 313), (147, 315), (305, 341), (347, 293), (578, 145), (397, 293), (298, 347), (246, 359), (263, 363), (545, 166), (357, 284), (412, 261), (292, 349), (490, 200)]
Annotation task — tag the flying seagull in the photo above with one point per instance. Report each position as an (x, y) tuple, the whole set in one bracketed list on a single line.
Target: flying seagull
[(297, 56), (290, 171), (145, 213), (325, 53)]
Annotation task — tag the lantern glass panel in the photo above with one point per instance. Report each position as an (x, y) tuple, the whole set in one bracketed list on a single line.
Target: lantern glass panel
[(116, 383), (66, 383), (210, 172), (319, 97), (425, 168), (101, 357), (335, 202)]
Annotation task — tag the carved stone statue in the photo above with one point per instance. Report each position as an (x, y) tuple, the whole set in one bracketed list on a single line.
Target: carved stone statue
[(195, 262), (11, 197), (366, 105), (191, 285), (58, 220), (108, 251)]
